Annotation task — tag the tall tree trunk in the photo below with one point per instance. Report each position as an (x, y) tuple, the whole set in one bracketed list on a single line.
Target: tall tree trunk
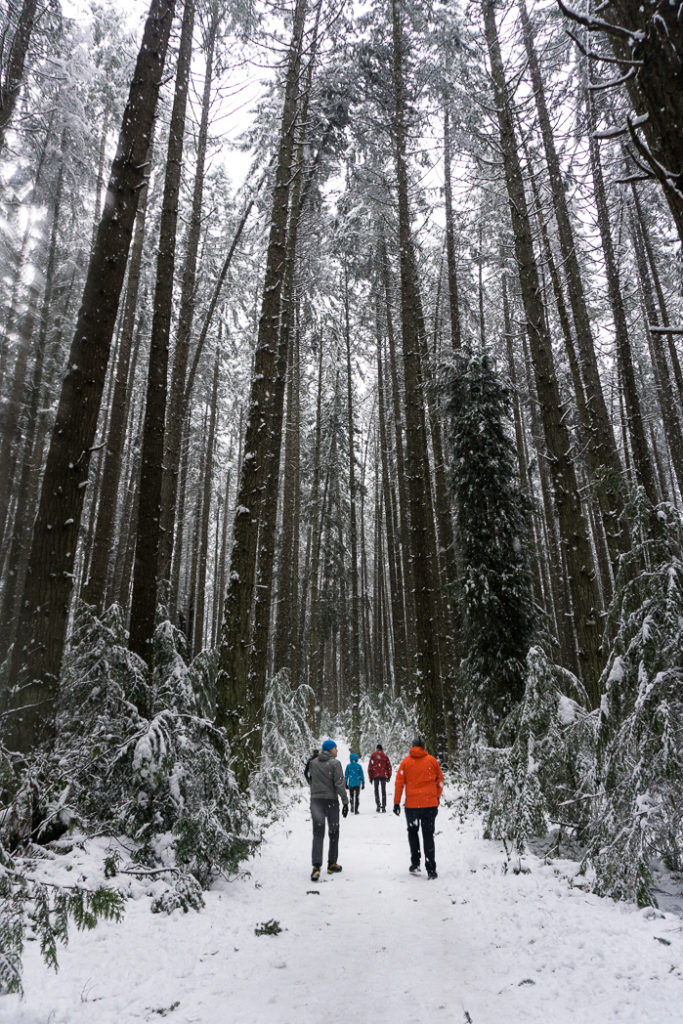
[(220, 571), (403, 504), (146, 573), (237, 707), (123, 572), (10, 81), (95, 590), (601, 449), (566, 634), (573, 528), (648, 38), (453, 299), (285, 633), (663, 312), (30, 460), (178, 398), (665, 395), (422, 539), (353, 692), (315, 531), (37, 657), (398, 622), (207, 486), (11, 437), (634, 417), (99, 180)]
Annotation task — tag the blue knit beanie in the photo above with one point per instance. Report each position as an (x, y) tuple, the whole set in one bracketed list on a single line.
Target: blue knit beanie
[(329, 745)]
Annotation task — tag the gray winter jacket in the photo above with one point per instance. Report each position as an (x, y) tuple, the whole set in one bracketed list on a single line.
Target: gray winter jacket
[(327, 778)]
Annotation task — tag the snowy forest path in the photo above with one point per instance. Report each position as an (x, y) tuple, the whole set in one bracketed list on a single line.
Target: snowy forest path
[(372, 944)]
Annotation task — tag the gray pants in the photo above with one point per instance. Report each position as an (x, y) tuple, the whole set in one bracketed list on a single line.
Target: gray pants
[(320, 811)]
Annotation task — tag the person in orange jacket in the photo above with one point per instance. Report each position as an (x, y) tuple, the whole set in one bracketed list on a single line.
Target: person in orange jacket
[(422, 778)]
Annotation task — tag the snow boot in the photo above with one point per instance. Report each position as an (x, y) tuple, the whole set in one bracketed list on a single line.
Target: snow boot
[(315, 873), (332, 869), (414, 869), (432, 873)]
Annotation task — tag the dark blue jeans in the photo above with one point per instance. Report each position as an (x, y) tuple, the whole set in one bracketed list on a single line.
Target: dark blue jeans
[(381, 784), (321, 811), (425, 817)]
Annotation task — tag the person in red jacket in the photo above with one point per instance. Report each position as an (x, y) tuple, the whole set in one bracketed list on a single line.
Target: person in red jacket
[(422, 778), (379, 772)]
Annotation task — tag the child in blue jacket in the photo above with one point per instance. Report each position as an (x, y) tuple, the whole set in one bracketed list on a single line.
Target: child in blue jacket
[(355, 781)]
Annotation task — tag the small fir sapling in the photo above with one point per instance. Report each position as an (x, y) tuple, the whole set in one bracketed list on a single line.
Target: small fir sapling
[(636, 815), (540, 778), (287, 738)]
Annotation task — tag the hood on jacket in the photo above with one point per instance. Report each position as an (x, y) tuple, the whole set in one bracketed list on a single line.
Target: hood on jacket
[(418, 752), (325, 755), (354, 757)]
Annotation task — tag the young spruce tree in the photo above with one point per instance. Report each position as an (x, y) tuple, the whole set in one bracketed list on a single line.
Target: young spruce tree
[(494, 591)]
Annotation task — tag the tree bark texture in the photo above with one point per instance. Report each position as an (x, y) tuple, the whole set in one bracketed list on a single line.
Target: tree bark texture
[(10, 82), (573, 527), (427, 686), (146, 571), (37, 655), (238, 709)]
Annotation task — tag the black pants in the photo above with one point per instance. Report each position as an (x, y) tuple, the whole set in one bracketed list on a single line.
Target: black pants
[(383, 784), (322, 810), (425, 816), (354, 793)]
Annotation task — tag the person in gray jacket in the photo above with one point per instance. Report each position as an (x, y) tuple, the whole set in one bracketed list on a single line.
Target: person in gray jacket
[(327, 783)]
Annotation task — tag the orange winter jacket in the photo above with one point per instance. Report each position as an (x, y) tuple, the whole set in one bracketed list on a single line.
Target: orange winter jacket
[(422, 777)]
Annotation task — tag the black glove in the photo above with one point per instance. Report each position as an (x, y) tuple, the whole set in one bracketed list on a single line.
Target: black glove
[(363, 786), (397, 808), (345, 810)]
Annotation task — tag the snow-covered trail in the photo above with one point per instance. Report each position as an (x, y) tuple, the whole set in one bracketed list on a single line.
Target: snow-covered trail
[(373, 944)]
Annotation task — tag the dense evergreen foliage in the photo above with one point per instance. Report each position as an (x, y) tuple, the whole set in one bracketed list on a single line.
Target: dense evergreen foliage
[(492, 536)]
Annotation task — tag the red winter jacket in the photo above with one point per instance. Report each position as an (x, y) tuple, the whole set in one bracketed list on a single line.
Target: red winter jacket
[(379, 766), (422, 777)]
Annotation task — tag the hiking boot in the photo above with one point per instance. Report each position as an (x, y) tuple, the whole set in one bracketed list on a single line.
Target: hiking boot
[(414, 869), (332, 869), (315, 873), (384, 810), (379, 809), (432, 873)]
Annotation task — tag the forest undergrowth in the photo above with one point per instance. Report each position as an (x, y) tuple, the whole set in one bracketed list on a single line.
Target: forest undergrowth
[(139, 768)]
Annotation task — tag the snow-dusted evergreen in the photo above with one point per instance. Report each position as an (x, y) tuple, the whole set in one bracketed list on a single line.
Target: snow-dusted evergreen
[(496, 615), (611, 778), (138, 759)]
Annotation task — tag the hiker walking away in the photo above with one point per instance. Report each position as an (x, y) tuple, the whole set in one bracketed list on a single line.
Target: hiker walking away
[(379, 772), (355, 781), (327, 783), (307, 769), (422, 778)]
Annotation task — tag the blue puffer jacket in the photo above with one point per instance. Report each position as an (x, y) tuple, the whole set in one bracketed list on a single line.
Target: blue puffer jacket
[(353, 776)]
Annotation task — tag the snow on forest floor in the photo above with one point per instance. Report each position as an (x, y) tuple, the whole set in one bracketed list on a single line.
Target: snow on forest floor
[(373, 944)]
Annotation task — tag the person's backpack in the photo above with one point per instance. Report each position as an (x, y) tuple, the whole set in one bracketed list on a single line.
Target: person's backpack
[(307, 768)]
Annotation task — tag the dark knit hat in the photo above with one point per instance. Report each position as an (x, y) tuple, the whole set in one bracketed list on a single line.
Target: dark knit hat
[(329, 745), (380, 747)]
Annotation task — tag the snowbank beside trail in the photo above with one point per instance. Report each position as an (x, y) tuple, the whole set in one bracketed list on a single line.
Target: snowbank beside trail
[(480, 944)]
